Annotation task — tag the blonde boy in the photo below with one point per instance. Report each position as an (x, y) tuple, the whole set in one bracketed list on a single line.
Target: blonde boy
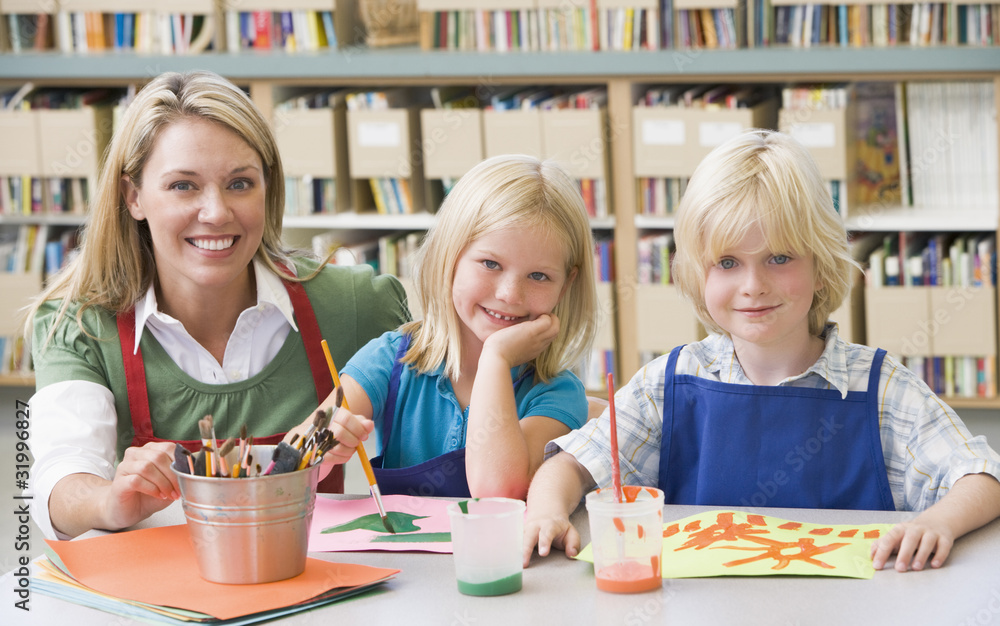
[(774, 408)]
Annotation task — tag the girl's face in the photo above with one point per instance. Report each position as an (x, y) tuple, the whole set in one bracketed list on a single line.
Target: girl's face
[(507, 277), (761, 297), (203, 195)]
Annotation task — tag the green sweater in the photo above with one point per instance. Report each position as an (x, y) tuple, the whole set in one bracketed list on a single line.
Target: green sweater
[(352, 306)]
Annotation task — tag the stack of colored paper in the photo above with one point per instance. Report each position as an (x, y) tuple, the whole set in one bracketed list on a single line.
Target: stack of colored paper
[(152, 574)]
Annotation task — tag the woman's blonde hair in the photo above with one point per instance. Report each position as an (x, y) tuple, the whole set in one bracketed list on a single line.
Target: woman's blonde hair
[(115, 265), (500, 192), (769, 180)]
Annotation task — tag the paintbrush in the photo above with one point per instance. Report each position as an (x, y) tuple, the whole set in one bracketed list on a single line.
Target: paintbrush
[(205, 428), (616, 473), (362, 455), (226, 448)]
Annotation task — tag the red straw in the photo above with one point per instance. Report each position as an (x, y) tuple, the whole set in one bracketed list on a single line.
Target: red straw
[(616, 474)]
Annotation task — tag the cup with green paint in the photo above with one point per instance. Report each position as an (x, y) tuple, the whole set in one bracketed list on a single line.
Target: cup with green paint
[(487, 537)]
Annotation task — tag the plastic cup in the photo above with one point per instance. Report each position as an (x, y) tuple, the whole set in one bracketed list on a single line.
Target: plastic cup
[(250, 530), (487, 539), (627, 538)]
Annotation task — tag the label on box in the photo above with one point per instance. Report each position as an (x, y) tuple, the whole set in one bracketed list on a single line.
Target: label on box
[(663, 132), (711, 134), (379, 134), (815, 134)]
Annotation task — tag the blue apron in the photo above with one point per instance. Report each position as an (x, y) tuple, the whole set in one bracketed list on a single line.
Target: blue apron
[(442, 476), (729, 445)]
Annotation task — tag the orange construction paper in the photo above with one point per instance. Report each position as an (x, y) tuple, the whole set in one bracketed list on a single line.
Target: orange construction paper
[(158, 566)]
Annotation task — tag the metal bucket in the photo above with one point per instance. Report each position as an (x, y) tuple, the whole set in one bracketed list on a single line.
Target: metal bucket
[(250, 530)]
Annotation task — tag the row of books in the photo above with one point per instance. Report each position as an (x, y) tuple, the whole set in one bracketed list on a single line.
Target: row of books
[(860, 25), (654, 254), (144, 32), (565, 26), (291, 31), (662, 25), (32, 195), (934, 260), (957, 376), (593, 372)]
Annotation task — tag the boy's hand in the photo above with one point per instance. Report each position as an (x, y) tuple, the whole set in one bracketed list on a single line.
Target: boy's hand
[(915, 543), (547, 533), (522, 342)]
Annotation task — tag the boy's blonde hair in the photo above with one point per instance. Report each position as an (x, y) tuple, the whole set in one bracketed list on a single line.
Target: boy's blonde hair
[(500, 192), (767, 179), (115, 265)]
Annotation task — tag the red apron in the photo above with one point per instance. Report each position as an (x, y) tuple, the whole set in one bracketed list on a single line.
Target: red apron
[(138, 398)]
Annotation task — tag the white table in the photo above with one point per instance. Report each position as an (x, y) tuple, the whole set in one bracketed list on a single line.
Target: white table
[(558, 590)]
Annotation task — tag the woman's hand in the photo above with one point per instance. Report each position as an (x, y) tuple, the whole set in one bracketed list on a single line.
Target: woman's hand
[(142, 485)]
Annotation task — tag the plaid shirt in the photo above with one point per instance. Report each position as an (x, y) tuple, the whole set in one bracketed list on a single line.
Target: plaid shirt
[(925, 445)]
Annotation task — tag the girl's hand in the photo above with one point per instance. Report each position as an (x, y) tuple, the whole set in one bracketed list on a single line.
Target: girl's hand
[(142, 485), (523, 342)]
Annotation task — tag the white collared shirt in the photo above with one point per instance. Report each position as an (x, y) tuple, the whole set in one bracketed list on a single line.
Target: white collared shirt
[(79, 431)]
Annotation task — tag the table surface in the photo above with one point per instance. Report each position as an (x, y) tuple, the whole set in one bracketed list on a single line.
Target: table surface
[(560, 590)]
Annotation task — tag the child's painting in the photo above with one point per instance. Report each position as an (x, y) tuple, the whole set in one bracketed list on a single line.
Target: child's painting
[(736, 543), (421, 524)]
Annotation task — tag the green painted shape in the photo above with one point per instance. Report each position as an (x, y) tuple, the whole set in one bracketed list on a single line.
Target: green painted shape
[(414, 538), (401, 523)]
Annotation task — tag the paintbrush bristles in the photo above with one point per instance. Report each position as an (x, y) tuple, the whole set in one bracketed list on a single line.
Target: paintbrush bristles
[(205, 427), (227, 447)]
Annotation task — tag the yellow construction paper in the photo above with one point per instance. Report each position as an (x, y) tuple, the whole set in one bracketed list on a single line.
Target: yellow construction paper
[(737, 543)]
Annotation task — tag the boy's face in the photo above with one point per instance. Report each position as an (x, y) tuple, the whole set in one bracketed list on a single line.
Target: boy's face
[(759, 296)]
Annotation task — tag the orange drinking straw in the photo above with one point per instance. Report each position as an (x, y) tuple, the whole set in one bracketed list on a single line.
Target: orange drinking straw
[(616, 473)]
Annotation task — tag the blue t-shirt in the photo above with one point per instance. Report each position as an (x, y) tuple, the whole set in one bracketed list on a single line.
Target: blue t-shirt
[(428, 417)]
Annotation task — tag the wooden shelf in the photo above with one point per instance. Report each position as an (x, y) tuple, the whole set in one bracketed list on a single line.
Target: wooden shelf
[(365, 66)]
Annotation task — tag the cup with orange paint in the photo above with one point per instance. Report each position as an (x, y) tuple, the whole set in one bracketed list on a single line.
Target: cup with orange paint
[(626, 538)]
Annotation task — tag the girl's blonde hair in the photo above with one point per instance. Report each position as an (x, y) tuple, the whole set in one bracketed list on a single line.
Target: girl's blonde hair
[(500, 192), (115, 265), (765, 179)]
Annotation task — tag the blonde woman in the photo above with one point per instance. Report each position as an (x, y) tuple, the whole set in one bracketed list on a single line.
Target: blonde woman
[(774, 408), (182, 303), (464, 401)]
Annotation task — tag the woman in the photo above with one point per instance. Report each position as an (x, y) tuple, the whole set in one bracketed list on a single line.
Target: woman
[(180, 304)]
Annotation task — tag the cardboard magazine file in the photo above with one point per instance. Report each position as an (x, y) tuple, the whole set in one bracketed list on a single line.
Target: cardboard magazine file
[(671, 141), (666, 319), (827, 134), (605, 337), (380, 145), (312, 143), (897, 319), (963, 321), (452, 141), (22, 156), (17, 289), (71, 142), (575, 138), (513, 132)]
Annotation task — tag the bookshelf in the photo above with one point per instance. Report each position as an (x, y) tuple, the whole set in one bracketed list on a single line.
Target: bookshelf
[(622, 74)]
